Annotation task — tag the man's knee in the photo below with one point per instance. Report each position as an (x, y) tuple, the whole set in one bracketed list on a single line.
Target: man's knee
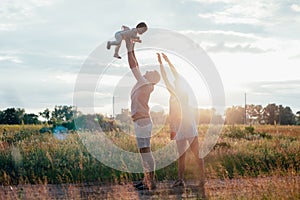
[(145, 150)]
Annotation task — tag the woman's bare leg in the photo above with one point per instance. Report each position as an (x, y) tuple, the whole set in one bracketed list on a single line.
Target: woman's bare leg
[(195, 149), (181, 146), (194, 145)]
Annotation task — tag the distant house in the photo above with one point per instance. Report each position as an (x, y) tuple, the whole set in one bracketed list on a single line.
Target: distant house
[(124, 117)]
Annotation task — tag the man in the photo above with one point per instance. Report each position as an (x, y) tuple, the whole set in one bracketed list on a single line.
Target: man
[(140, 113)]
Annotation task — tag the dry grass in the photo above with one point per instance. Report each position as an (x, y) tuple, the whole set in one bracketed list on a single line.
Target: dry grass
[(275, 187), (262, 164)]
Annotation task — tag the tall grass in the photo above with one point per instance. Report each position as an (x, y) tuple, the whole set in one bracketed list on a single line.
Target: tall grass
[(27, 156)]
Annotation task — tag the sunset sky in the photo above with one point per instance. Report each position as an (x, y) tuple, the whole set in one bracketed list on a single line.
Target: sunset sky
[(255, 45)]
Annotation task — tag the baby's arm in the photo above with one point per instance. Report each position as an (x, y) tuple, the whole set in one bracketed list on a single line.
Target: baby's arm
[(136, 39)]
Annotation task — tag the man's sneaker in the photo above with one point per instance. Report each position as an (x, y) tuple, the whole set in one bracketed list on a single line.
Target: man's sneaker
[(151, 186), (108, 45), (202, 183), (178, 183), (202, 188), (138, 184), (117, 56)]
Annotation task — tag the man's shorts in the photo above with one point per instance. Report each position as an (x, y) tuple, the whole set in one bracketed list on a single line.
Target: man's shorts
[(143, 129)]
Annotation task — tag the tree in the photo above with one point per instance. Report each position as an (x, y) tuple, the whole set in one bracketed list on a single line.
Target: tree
[(45, 114), (1, 117), (286, 116), (12, 116), (205, 115), (235, 115), (271, 114), (298, 118), (92, 122), (30, 118), (62, 114), (254, 112), (124, 117)]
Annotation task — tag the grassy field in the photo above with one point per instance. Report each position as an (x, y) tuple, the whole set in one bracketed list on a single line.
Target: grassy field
[(241, 153)]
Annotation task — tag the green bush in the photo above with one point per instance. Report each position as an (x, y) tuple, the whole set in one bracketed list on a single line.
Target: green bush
[(248, 133)]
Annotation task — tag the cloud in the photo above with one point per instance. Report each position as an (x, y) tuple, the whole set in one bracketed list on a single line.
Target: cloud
[(228, 18), (264, 17), (44, 42), (35, 93), (229, 41), (72, 57), (213, 1), (295, 7), (15, 10), (7, 27), (242, 12), (295, 57), (30, 88), (67, 78), (275, 88), (247, 48), (280, 92), (10, 97), (11, 59), (217, 36)]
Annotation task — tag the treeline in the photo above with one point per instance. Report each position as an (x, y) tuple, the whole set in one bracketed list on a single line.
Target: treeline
[(256, 114), (65, 115), (59, 115)]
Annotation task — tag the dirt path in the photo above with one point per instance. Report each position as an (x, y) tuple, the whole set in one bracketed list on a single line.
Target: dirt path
[(287, 187)]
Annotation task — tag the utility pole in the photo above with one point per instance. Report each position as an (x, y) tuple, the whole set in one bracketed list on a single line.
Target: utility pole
[(245, 122), (279, 117), (113, 107)]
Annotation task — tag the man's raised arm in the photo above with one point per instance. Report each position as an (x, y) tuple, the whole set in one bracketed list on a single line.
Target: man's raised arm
[(133, 64)]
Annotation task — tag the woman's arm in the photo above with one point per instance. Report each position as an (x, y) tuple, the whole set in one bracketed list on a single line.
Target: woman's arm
[(173, 70), (164, 75)]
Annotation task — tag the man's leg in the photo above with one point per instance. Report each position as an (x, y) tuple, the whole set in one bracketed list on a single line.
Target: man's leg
[(149, 167), (143, 128), (148, 162)]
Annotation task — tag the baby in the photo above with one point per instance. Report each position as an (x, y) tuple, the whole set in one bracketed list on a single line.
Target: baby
[(127, 33)]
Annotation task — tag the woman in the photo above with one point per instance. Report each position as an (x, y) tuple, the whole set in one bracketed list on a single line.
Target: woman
[(182, 122)]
